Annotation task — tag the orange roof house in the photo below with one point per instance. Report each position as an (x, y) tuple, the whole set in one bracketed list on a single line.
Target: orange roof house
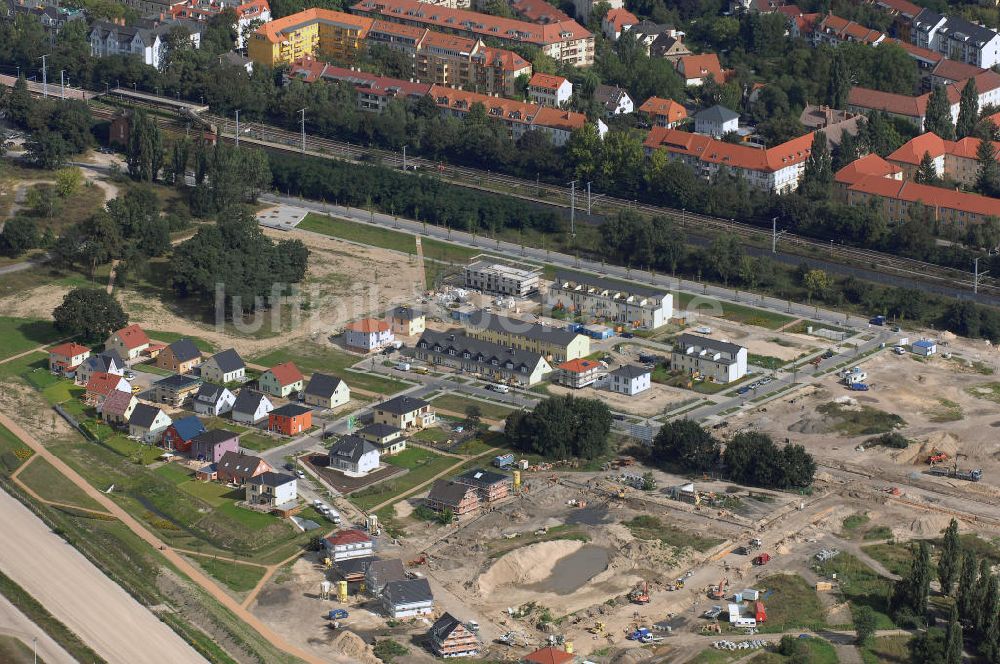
[(615, 21), (65, 358), (281, 380), (102, 384), (694, 69), (955, 160), (129, 341), (663, 112), (580, 372), (548, 655)]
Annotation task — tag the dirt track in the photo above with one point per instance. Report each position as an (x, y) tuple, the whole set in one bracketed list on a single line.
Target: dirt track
[(16, 624), (70, 587)]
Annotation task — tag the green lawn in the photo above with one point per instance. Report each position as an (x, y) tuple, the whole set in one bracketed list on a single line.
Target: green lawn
[(130, 449), (736, 312), (15, 651), (458, 404), (861, 585), (863, 421), (213, 493), (20, 334), (651, 528), (170, 337), (421, 464), (245, 517), (50, 484), (432, 435), (896, 557), (174, 473), (887, 650), (853, 525), (25, 365), (766, 361), (220, 423), (12, 451), (152, 369), (259, 442), (819, 651), (793, 604), (236, 577), (310, 358)]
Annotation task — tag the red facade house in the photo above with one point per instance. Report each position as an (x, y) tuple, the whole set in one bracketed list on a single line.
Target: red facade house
[(290, 419)]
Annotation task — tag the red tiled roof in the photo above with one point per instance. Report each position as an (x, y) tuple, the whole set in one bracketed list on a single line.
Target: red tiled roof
[(902, 6), (846, 30), (286, 373), (549, 655), (132, 336), (546, 81), (117, 402), (700, 66), (275, 30), (935, 197), (103, 383), (508, 110), (890, 102), (955, 71), (399, 30), (995, 119), (539, 11), (504, 59), (790, 11), (348, 537), (69, 349), (619, 18), (310, 71), (917, 52), (368, 325), (480, 24), (673, 111), (559, 119), (871, 164), (579, 365), (806, 22), (710, 150), (912, 152)]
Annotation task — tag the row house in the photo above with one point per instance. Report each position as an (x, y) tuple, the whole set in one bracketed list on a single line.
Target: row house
[(953, 160), (720, 361), (834, 30), (777, 169), (613, 301), (566, 41), (145, 39), (375, 93), (554, 343), (484, 358), (52, 18)]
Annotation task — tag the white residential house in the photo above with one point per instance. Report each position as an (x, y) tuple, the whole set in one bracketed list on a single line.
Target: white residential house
[(355, 455), (629, 380), (716, 121), (615, 301), (129, 342), (347, 544), (108, 362), (213, 400), (325, 391), (550, 90), (368, 334), (720, 361), (224, 367), (272, 490), (251, 407), (613, 100), (407, 598), (148, 423), (956, 38)]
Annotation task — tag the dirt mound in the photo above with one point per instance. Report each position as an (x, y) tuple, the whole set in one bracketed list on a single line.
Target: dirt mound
[(354, 647), (526, 565), (940, 441), (928, 525)]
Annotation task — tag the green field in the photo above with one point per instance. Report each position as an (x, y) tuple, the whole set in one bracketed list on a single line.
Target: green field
[(458, 404), (310, 358), (861, 585), (793, 604), (12, 451), (213, 493), (651, 528), (174, 473), (259, 442), (20, 334), (236, 577), (152, 369), (819, 651), (887, 650), (170, 337), (25, 365), (421, 464), (42, 478)]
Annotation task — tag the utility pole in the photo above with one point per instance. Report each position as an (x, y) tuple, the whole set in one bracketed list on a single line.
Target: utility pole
[(303, 112), (775, 235), (572, 208), (45, 77), (237, 127), (588, 198), (977, 274), (404, 158), (62, 84)]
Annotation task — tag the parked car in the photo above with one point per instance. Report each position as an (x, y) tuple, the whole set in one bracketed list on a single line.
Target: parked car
[(299, 474)]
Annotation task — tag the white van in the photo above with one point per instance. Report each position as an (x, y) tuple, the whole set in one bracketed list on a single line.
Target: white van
[(497, 387)]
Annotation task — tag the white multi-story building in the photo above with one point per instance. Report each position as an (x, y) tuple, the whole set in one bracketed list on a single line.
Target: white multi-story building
[(716, 121), (272, 490), (720, 361), (347, 544), (145, 39), (500, 279), (629, 380), (550, 90), (956, 38), (613, 301)]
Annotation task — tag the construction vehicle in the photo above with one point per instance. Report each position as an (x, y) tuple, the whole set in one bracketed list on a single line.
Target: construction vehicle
[(719, 591), (937, 456), (419, 560), (858, 387), (955, 473), (638, 634), (337, 614), (712, 613), (513, 639), (762, 559), (640, 594), (598, 629), (712, 628)]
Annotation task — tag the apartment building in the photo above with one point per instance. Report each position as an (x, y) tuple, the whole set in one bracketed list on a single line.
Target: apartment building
[(953, 160), (491, 361), (555, 343), (374, 92), (778, 169), (914, 109), (720, 361), (898, 198), (566, 41), (616, 302), (248, 12), (318, 33), (834, 30), (501, 279), (549, 90), (956, 38), (145, 39), (617, 21)]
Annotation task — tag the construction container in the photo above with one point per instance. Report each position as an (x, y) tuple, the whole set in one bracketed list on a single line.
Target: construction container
[(517, 480), (503, 460), (568, 647), (342, 591), (823, 586)]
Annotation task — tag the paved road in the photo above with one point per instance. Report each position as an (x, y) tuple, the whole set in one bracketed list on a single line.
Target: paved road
[(16, 624), (71, 587)]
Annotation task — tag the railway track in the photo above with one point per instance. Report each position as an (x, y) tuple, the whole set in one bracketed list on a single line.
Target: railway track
[(276, 138)]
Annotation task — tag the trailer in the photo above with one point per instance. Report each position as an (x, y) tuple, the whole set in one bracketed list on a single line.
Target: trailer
[(955, 473), (858, 387), (762, 559), (503, 460)]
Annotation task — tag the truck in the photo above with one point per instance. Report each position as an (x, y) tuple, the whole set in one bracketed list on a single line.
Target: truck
[(762, 559), (858, 387), (955, 473), (639, 634), (854, 375), (337, 614), (503, 460), (402, 366), (498, 388)]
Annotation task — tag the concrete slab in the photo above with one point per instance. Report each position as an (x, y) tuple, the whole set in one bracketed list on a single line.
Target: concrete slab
[(282, 217)]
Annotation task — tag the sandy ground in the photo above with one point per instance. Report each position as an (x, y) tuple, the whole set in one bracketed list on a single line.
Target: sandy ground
[(654, 401), (69, 586), (16, 624), (758, 340)]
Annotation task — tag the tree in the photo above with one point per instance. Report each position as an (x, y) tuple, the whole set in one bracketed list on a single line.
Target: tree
[(724, 256), (144, 154), (90, 314), (816, 282), (686, 445), (947, 566), (966, 594), (968, 109), (473, 414), (988, 173), (817, 180), (864, 624), (926, 171), (909, 594), (68, 181), (938, 116), (561, 427), (752, 458), (927, 647), (953, 639), (46, 149), (839, 83), (19, 235), (989, 633)]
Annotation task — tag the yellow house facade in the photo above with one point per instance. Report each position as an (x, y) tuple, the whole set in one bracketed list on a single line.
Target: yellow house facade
[(319, 33), (553, 343)]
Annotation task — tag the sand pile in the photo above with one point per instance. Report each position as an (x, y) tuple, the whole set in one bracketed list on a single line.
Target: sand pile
[(928, 525), (354, 647), (526, 565), (940, 441)]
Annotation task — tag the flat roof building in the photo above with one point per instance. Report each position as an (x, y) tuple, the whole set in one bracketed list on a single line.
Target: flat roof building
[(500, 279)]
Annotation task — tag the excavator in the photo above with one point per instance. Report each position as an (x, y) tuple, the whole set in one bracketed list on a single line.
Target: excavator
[(937, 456), (719, 591), (640, 595)]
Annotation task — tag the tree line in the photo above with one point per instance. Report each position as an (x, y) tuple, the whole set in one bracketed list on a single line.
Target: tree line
[(561, 428)]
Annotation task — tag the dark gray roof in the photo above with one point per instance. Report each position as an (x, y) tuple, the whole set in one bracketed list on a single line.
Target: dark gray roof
[(630, 371), (322, 385), (184, 350), (272, 479), (481, 477), (927, 19), (956, 27), (685, 340), (354, 565), (609, 95), (610, 284), (481, 352), (212, 437), (291, 410), (351, 448), (444, 626), (448, 492), (247, 401), (406, 313), (176, 382), (718, 114), (378, 430), (547, 333), (401, 405), (143, 415), (228, 360), (387, 570), (647, 27), (103, 361), (209, 393), (408, 591)]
